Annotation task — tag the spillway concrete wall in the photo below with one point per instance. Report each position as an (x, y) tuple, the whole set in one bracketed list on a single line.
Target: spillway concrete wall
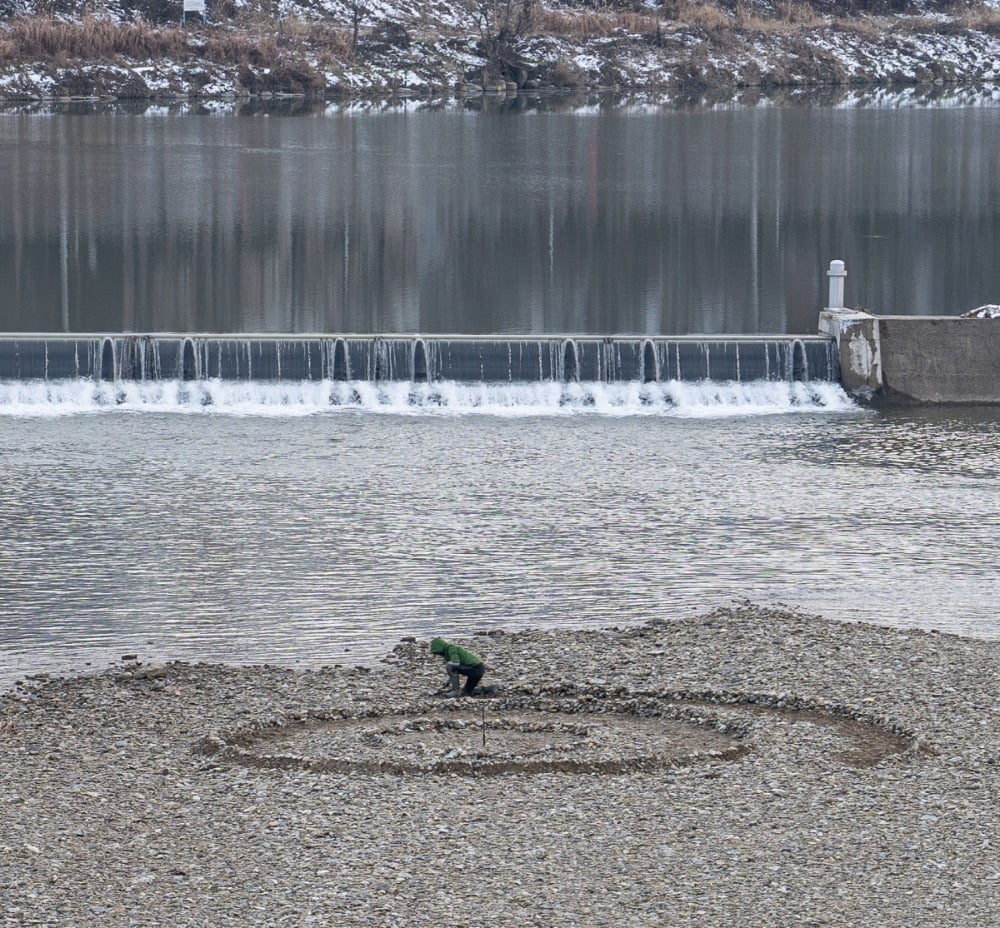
[(417, 358), (919, 359)]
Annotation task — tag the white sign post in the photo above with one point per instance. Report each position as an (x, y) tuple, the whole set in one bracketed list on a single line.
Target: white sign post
[(836, 275)]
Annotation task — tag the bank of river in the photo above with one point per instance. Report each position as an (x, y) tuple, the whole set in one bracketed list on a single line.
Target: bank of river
[(775, 768), (350, 50)]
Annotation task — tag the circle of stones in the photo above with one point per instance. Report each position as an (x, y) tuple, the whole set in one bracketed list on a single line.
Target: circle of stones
[(485, 737)]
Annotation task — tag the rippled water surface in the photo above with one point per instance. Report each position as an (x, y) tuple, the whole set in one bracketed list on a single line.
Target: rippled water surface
[(324, 537)]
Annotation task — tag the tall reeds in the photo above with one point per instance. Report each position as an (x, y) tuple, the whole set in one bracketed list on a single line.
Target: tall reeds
[(94, 39), (90, 39)]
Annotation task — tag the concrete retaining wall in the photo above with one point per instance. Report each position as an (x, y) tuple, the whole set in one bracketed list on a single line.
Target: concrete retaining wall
[(920, 359)]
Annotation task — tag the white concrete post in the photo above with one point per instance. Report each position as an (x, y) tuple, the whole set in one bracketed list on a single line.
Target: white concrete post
[(836, 275)]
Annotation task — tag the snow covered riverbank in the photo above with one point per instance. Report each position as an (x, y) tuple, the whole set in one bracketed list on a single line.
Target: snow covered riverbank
[(344, 50)]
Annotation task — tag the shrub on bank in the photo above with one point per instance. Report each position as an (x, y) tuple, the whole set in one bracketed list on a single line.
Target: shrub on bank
[(288, 78)]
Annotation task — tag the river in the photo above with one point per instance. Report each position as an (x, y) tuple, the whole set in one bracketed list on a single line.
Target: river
[(589, 220), (269, 526)]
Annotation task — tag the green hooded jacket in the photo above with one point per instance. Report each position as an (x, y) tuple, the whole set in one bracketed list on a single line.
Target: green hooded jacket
[(454, 653)]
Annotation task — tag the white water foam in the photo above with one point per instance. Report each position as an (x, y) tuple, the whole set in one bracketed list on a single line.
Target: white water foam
[(701, 399)]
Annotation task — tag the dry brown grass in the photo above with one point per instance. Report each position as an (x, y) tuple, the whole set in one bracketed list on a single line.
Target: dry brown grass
[(983, 19), (102, 40), (334, 42), (295, 27), (791, 16), (282, 49), (705, 16), (91, 39), (639, 23), (241, 48), (567, 74), (866, 27), (589, 24), (583, 25)]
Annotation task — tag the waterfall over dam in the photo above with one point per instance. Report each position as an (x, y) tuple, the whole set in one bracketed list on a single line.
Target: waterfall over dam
[(419, 359)]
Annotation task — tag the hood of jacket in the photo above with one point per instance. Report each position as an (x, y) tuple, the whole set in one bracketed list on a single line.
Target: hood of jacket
[(438, 645)]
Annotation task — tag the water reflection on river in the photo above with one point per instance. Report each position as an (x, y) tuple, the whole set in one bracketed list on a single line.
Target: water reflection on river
[(533, 218)]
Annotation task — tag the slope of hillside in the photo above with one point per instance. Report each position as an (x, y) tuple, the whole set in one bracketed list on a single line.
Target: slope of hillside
[(362, 48)]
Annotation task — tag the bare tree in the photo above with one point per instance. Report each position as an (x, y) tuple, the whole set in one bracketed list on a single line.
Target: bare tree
[(503, 27), (359, 11)]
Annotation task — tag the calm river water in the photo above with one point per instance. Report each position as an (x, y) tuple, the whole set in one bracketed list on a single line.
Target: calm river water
[(269, 526), (574, 220)]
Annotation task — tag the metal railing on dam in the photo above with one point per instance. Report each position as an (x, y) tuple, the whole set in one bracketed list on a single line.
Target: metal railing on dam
[(418, 358)]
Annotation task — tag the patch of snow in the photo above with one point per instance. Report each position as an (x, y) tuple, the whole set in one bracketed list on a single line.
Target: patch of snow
[(989, 311)]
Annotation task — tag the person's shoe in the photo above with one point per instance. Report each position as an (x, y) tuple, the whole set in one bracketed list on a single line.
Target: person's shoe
[(452, 694)]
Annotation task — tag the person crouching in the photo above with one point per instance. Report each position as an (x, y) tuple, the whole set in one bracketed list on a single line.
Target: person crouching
[(459, 662)]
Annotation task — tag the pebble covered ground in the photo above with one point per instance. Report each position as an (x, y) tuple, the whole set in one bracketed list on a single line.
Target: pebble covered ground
[(775, 769)]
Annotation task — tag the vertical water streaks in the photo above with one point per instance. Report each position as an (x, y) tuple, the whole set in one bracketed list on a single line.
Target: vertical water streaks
[(137, 358), (153, 366), (650, 363), (420, 359), (570, 371), (129, 360), (611, 360), (341, 367), (691, 361), (189, 363), (379, 360), (108, 370), (607, 360), (800, 364), (418, 371)]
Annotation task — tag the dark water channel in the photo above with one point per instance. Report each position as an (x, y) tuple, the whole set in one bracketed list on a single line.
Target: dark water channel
[(582, 219)]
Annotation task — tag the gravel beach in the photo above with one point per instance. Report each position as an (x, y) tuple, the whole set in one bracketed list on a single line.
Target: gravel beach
[(749, 767)]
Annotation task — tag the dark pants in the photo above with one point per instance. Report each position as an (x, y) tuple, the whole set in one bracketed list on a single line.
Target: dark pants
[(473, 673)]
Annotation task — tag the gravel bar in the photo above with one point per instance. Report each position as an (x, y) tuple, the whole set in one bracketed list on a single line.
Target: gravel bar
[(749, 767)]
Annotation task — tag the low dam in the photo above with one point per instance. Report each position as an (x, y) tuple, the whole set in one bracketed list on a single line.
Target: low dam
[(921, 359), (419, 359)]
